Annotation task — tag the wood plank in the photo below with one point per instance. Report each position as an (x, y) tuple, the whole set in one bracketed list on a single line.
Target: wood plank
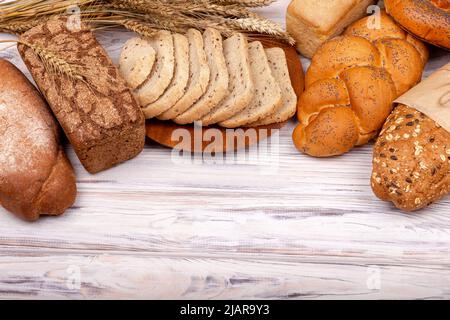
[(45, 275)]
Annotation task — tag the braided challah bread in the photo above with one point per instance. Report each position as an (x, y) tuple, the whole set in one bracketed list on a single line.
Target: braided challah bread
[(351, 84)]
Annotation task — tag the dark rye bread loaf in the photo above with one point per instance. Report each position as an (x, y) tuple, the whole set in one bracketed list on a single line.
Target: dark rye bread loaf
[(36, 178), (100, 116), (411, 164)]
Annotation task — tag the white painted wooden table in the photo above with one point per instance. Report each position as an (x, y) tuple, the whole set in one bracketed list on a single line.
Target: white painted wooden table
[(297, 228)]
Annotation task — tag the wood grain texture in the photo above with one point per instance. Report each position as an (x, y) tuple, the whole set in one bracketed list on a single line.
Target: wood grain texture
[(267, 224)]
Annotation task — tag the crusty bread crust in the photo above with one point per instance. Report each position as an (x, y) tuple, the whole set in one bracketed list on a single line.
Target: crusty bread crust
[(241, 84), (36, 178), (411, 164), (429, 20), (279, 67), (218, 83), (267, 97), (162, 72), (177, 87), (100, 116), (136, 62), (360, 74), (312, 22), (198, 78)]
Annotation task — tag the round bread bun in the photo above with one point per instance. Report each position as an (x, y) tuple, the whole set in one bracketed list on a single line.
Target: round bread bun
[(429, 20)]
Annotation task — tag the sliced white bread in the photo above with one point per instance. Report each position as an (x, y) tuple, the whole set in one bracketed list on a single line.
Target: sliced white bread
[(241, 85), (162, 72), (267, 97), (136, 61), (179, 82), (218, 82), (279, 67), (198, 78)]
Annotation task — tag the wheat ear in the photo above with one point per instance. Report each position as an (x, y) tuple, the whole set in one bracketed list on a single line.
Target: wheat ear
[(245, 3), (52, 62)]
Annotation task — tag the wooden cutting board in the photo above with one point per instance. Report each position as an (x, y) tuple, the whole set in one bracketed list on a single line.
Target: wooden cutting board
[(184, 137)]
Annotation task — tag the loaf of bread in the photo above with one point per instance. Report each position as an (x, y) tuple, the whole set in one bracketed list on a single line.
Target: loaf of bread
[(99, 114), (411, 164), (312, 22), (351, 84), (427, 19), (36, 178)]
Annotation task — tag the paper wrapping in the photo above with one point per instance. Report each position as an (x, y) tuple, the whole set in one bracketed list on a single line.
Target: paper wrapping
[(432, 97)]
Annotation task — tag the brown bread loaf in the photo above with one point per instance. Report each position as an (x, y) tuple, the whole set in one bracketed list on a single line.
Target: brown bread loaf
[(411, 165), (100, 116), (36, 178)]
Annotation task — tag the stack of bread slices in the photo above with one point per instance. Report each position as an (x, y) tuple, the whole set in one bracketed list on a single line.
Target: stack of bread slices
[(202, 78)]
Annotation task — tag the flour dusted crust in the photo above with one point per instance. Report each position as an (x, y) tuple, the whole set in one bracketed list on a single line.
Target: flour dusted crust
[(279, 68), (267, 97), (198, 77), (179, 82), (136, 61), (36, 178), (411, 165), (241, 85), (100, 116), (218, 83), (162, 72)]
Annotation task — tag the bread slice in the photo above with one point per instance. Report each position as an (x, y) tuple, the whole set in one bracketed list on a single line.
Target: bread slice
[(279, 68), (198, 78), (136, 61), (179, 82), (162, 72), (218, 84), (241, 85), (267, 97)]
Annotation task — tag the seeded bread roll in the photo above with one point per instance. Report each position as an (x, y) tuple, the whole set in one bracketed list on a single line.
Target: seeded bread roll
[(36, 178), (411, 165), (99, 115), (428, 20)]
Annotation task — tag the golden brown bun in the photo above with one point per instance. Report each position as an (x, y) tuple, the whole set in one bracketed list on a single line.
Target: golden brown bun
[(36, 176), (411, 165), (427, 19), (359, 74)]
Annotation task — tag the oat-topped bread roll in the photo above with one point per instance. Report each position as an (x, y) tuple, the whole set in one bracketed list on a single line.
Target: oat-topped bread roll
[(36, 176), (99, 115), (351, 84), (411, 165), (427, 19), (312, 22)]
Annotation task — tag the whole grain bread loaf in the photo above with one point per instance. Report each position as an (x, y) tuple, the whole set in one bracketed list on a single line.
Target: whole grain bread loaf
[(411, 164), (36, 178), (99, 114)]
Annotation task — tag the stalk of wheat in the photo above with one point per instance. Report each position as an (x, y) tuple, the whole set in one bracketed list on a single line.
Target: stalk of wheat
[(147, 16), (52, 61)]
